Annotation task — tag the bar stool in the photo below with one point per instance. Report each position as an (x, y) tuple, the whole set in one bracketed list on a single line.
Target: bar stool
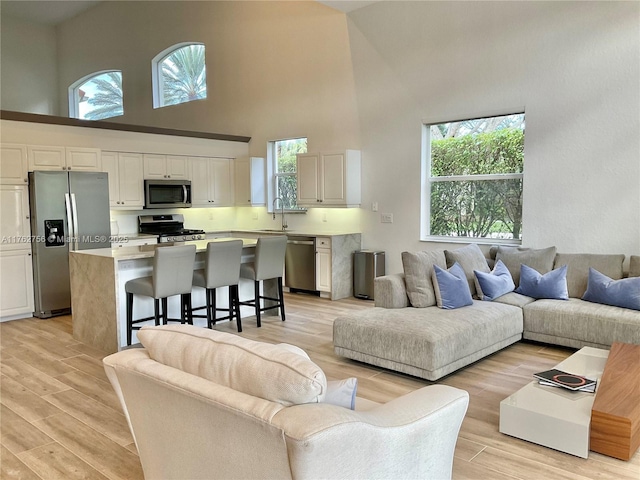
[(268, 264), (221, 269), (172, 275)]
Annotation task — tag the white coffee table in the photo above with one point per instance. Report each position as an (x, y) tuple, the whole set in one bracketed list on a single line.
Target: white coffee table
[(555, 417)]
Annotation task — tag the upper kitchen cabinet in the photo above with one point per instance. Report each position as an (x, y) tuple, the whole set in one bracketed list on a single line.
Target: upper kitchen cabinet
[(211, 182), (13, 164), (125, 171), (170, 167), (329, 179), (61, 158), (250, 182)]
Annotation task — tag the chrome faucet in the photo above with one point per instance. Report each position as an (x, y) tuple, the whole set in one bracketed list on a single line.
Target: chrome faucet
[(284, 224)]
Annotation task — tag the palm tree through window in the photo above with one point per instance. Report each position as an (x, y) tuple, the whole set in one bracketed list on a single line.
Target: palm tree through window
[(180, 75), (97, 96)]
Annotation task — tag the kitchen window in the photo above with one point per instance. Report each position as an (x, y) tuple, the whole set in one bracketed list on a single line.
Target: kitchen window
[(473, 178), (285, 177), (179, 75), (97, 96)]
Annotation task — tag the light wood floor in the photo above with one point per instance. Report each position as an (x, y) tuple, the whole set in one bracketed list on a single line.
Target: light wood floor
[(61, 420)]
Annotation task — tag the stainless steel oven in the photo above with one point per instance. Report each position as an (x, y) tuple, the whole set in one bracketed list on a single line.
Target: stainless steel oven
[(167, 193)]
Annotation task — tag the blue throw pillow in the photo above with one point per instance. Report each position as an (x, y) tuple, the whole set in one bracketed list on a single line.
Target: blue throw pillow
[(494, 284), (623, 293), (451, 287), (550, 285)]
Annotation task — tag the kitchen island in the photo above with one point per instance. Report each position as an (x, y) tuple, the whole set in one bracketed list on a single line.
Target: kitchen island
[(98, 298)]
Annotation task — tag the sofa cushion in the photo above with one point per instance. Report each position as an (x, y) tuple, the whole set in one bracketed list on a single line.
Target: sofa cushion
[(576, 323), (578, 265), (494, 284), (550, 285), (263, 370), (451, 287), (623, 293), (471, 259), (418, 268), (540, 260), (634, 266)]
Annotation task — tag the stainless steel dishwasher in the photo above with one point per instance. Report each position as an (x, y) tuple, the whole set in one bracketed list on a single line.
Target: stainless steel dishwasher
[(300, 264)]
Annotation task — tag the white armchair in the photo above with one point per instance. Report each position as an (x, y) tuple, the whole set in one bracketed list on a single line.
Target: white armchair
[(203, 404)]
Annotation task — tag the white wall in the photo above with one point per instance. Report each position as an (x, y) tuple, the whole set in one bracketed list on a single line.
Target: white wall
[(370, 79), (29, 76), (573, 67)]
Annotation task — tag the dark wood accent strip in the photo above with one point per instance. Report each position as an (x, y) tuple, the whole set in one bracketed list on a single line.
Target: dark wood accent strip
[(74, 122)]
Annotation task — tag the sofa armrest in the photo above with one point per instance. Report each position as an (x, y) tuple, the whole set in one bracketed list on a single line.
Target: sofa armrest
[(390, 291), (416, 432)]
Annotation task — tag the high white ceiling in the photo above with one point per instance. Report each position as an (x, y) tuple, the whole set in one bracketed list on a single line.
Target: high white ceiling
[(52, 12), (49, 12)]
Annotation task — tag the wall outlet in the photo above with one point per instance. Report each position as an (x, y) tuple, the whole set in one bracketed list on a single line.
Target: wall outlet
[(210, 215), (255, 215), (374, 207), (386, 218), (324, 217)]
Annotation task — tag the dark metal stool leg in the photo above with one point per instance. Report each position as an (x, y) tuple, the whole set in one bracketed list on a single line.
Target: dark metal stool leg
[(256, 288), (129, 317), (236, 303), (281, 297), (156, 310), (164, 311)]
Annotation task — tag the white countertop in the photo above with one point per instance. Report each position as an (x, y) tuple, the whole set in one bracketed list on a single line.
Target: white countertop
[(301, 233), (148, 251)]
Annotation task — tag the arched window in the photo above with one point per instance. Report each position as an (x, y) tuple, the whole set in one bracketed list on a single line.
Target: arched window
[(97, 96), (179, 75)]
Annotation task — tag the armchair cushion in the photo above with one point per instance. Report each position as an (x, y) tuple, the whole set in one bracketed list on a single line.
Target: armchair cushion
[(259, 369)]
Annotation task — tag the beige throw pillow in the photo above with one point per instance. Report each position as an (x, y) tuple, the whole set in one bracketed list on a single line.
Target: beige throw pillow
[(540, 260), (418, 268), (470, 258), (264, 370)]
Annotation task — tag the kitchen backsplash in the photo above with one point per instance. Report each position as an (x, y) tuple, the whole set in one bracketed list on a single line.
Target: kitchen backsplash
[(246, 218)]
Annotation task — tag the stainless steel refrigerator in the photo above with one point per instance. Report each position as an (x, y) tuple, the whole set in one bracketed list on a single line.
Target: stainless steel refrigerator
[(69, 211)]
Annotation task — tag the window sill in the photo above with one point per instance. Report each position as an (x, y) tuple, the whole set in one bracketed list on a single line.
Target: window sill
[(479, 241)]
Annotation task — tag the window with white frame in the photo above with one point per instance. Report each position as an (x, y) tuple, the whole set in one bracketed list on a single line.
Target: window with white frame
[(473, 171), (179, 75), (285, 176), (97, 96)]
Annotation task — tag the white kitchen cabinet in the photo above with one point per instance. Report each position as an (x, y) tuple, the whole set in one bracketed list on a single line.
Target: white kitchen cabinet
[(169, 167), (15, 225), (60, 158), (329, 179), (250, 182), (323, 264), (211, 182), (83, 159), (13, 164), (16, 284), (125, 179)]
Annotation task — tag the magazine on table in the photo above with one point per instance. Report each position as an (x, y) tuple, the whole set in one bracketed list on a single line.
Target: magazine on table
[(570, 381)]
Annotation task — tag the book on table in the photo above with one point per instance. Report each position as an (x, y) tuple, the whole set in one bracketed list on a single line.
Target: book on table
[(570, 381)]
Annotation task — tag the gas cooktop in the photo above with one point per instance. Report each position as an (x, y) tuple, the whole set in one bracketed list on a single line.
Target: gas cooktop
[(169, 228)]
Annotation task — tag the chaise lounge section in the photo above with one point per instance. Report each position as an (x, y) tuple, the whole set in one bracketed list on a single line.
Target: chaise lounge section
[(430, 342)]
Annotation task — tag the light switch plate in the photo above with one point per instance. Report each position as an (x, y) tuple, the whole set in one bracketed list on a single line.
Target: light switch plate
[(374, 207), (386, 218)]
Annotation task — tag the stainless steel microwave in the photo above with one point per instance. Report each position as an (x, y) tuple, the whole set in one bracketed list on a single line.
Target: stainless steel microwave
[(167, 193)]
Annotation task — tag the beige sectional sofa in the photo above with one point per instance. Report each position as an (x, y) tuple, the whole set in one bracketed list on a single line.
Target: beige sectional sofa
[(431, 342)]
